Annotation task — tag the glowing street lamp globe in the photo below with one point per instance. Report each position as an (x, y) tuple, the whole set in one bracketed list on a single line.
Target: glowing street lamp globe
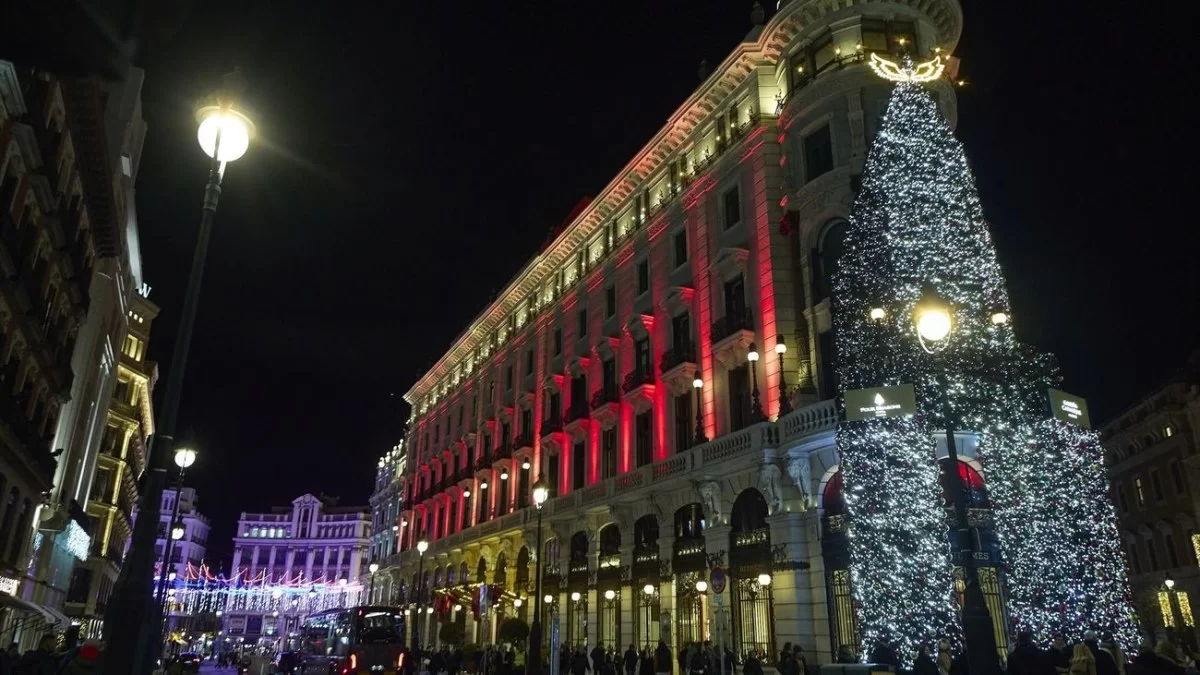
[(648, 589), (233, 127), (541, 492), (422, 546), (610, 594), (548, 599), (373, 567), (701, 586), (185, 457), (932, 318), (575, 596), (764, 579), (177, 531)]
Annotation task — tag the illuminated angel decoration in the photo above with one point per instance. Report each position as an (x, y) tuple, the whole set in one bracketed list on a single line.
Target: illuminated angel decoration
[(906, 71)]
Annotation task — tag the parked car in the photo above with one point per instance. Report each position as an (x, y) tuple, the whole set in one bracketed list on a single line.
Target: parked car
[(190, 661)]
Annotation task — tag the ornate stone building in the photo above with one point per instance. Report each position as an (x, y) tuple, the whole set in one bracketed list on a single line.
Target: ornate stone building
[(1153, 457), (69, 149), (665, 363)]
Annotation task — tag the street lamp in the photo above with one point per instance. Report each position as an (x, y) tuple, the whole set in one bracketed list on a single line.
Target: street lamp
[(178, 530), (372, 568), (764, 579), (184, 458), (698, 385), (785, 405), (701, 586), (422, 546), (933, 322), (648, 589), (541, 492), (225, 131), (756, 410)]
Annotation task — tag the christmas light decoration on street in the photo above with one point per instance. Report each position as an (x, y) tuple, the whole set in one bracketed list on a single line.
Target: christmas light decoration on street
[(916, 223)]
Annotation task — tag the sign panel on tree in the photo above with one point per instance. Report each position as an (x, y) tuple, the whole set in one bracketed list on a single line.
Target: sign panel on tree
[(1069, 408), (876, 403)]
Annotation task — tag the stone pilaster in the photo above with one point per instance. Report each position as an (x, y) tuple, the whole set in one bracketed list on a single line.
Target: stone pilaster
[(801, 611)]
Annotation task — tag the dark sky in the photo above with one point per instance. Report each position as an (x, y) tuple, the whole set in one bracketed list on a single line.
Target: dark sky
[(412, 159)]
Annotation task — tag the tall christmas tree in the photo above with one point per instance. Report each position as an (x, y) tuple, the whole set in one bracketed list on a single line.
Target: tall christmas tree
[(918, 226)]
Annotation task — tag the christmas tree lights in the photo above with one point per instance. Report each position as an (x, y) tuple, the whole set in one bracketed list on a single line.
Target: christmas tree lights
[(918, 224)]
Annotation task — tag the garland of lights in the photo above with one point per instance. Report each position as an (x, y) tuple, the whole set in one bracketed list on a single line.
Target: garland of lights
[(918, 223)]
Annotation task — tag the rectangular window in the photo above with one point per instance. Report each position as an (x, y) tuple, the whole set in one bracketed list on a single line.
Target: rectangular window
[(902, 35), (824, 53), (818, 153), (735, 297), (1177, 478), (641, 355), (508, 378), (1134, 560), (739, 397), (1139, 490), (608, 372), (578, 465), (608, 452), (643, 277), (681, 334), (491, 392), (133, 348), (1156, 483), (874, 35), (557, 341), (683, 422), (680, 245), (583, 322), (1152, 553), (529, 362), (643, 433), (731, 208), (552, 473), (610, 302), (1121, 500)]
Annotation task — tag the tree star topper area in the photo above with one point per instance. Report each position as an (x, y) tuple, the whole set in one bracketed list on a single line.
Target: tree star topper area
[(876, 403)]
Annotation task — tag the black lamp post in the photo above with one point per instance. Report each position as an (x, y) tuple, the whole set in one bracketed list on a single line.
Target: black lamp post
[(785, 404), (184, 458), (422, 546), (698, 385), (933, 321), (372, 568), (756, 411), (541, 492), (132, 617)]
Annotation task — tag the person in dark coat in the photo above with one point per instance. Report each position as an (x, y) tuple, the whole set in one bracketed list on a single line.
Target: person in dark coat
[(752, 666), (40, 661), (662, 660), (1026, 658), (631, 660), (1105, 665), (885, 654), (597, 658), (925, 665), (579, 663), (1059, 655)]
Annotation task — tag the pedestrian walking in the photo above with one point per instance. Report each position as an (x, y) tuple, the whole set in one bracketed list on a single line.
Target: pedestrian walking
[(1082, 661), (662, 659), (1026, 658)]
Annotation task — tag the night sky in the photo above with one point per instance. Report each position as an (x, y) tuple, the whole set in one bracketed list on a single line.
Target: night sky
[(411, 162)]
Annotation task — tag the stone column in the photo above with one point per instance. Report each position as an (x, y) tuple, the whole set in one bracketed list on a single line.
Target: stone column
[(338, 573), (325, 563), (253, 562), (271, 562), (801, 612), (308, 563), (355, 564), (625, 615), (237, 560), (592, 597), (288, 560), (668, 617)]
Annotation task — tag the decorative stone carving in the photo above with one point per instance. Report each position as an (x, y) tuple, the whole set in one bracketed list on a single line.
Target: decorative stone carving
[(623, 518), (769, 480), (710, 497), (639, 326), (578, 366), (677, 300), (606, 347), (800, 470), (730, 262)]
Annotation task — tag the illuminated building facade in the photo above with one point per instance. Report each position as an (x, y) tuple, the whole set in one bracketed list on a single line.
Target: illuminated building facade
[(386, 502), (68, 249), (285, 561), (706, 261), (113, 497), (1152, 451)]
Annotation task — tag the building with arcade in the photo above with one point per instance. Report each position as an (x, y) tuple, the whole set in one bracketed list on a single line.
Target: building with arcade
[(665, 365)]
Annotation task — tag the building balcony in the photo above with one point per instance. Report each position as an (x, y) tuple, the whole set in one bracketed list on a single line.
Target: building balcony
[(678, 366), (505, 451), (551, 425), (730, 325), (732, 336), (524, 440), (606, 404), (639, 388)]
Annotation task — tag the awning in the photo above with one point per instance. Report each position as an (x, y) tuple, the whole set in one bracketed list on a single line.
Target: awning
[(49, 615), (58, 618)]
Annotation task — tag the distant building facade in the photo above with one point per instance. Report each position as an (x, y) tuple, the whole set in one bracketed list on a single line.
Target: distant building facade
[(286, 555), (69, 150), (1152, 451), (387, 500)]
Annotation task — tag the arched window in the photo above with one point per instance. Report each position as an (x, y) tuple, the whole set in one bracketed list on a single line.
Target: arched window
[(750, 557), (833, 500), (481, 571), (610, 541), (464, 574), (451, 576), (579, 548), (523, 567), (501, 573), (749, 512), (437, 578), (645, 533), (829, 251), (689, 522)]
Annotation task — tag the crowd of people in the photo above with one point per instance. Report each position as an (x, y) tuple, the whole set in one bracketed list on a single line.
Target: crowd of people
[(1098, 655), (48, 658)]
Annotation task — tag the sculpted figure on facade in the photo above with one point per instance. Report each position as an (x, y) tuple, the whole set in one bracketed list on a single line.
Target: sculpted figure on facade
[(800, 470), (710, 497), (769, 483)]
